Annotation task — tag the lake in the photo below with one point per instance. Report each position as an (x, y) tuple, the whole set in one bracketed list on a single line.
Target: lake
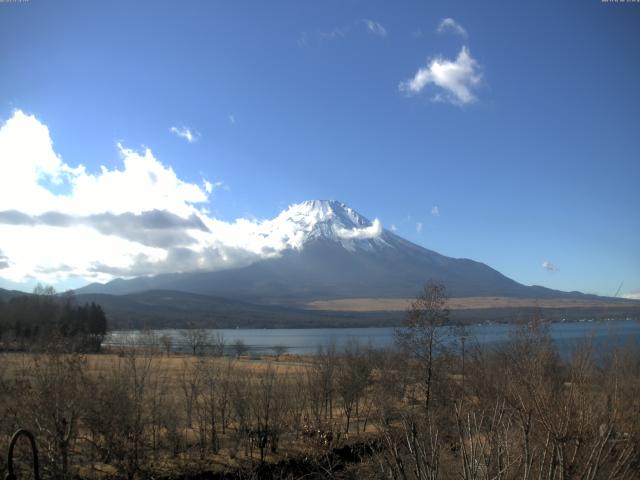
[(306, 341)]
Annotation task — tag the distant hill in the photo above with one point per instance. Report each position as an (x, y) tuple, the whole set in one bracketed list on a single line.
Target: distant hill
[(8, 294), (173, 309), (158, 309)]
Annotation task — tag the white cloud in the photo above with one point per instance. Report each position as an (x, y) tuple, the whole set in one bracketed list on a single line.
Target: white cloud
[(375, 28), (337, 32), (340, 32), (67, 216), (394, 228), (456, 79), (635, 295), (435, 211), (307, 39), (232, 119), (62, 224), (186, 133), (303, 40), (450, 25), (210, 187), (29, 167), (4, 261), (143, 184), (372, 231), (419, 227), (548, 266)]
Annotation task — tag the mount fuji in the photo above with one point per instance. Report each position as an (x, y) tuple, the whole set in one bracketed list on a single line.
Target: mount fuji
[(324, 250)]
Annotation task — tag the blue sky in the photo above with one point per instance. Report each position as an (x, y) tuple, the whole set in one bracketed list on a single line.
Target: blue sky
[(537, 160)]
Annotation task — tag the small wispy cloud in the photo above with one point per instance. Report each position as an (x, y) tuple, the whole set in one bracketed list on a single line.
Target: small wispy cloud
[(303, 40), (232, 119), (549, 267), (435, 211), (186, 133), (319, 37), (450, 25), (210, 187), (335, 33), (419, 227), (375, 28), (394, 228), (456, 79)]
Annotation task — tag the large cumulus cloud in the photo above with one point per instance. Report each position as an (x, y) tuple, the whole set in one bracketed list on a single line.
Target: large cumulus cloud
[(60, 221)]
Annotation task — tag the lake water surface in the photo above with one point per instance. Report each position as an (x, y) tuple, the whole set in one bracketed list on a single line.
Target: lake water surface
[(306, 341)]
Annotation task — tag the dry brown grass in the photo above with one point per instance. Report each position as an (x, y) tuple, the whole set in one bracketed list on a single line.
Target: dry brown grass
[(172, 365), (461, 303), (171, 371)]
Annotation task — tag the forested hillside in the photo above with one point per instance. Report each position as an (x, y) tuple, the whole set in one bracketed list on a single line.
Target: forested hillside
[(44, 318)]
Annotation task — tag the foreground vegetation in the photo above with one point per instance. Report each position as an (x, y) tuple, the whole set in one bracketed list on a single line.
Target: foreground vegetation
[(421, 411), (36, 321)]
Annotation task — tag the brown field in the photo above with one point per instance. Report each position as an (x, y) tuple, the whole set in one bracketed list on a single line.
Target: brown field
[(167, 383), (173, 364), (136, 413), (462, 303)]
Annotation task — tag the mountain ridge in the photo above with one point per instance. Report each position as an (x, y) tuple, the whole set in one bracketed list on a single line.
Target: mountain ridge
[(331, 252)]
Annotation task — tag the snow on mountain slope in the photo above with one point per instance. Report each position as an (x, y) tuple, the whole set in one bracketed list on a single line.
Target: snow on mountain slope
[(325, 219), (227, 245), (231, 245)]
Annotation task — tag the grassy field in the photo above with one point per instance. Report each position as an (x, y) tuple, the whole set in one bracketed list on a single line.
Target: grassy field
[(170, 404), (172, 365), (511, 409), (465, 303)]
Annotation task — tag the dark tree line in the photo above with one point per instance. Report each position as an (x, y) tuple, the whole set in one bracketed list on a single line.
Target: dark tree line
[(37, 320)]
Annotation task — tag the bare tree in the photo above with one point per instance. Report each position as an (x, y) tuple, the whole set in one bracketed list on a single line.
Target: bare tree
[(167, 343), (117, 419), (239, 396), (55, 403), (190, 377), (218, 344), (224, 393), (240, 347), (196, 339), (353, 372), (297, 390), (207, 404), (421, 335), (279, 350), (150, 341), (158, 404), (325, 370), (268, 409)]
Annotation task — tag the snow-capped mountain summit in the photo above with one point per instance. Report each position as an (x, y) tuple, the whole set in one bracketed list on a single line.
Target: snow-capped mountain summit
[(323, 249), (315, 220)]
